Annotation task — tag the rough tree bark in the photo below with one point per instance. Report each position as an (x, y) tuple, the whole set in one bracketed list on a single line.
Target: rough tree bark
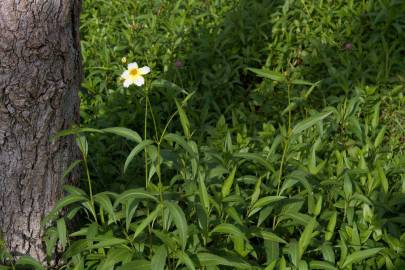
[(39, 83)]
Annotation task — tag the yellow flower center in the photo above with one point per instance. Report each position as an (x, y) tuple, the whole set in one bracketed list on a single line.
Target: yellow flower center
[(133, 72)]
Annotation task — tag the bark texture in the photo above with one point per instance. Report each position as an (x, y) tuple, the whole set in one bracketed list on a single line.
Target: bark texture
[(39, 82)]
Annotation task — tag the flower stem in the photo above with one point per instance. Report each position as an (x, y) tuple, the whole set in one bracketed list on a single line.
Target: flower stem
[(145, 134)]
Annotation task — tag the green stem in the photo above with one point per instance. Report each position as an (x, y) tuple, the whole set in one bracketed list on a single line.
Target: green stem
[(90, 187), (153, 117), (158, 148), (289, 103), (167, 125), (159, 175), (145, 134), (285, 150)]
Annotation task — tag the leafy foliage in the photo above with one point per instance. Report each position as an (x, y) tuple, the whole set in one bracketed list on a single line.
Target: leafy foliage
[(269, 136)]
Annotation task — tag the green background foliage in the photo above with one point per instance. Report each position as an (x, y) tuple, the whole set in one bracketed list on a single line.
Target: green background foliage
[(271, 136)]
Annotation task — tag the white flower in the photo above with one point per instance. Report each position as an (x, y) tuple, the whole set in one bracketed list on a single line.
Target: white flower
[(134, 75)]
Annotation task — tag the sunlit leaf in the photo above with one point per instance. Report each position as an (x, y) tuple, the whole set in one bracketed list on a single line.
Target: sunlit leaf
[(124, 132), (359, 256), (226, 187), (159, 259)]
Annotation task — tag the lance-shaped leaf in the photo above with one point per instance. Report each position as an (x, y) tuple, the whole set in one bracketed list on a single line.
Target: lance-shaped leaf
[(124, 132), (139, 229), (359, 256), (159, 259), (226, 187), (309, 122), (180, 221), (306, 237), (135, 151), (272, 75), (180, 141)]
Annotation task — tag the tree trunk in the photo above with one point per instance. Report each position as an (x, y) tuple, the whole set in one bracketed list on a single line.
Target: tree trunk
[(39, 81)]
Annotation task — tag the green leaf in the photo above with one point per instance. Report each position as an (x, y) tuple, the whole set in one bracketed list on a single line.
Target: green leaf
[(301, 82), (272, 75), (184, 258), (302, 265), (74, 131), (70, 168), (256, 158), (229, 229), (234, 214), (292, 106), (161, 83), (115, 255), (271, 266), (380, 137), (51, 237), (135, 151), (293, 251), (283, 263), (168, 240), (272, 250), (104, 201), (322, 265), (124, 132), (266, 235), (74, 190), (180, 220), (328, 253), (130, 209), (61, 229), (180, 141), (309, 122), (256, 192), (311, 89), (139, 229), (68, 200), (382, 177), (330, 228), (203, 193), (138, 194), (75, 248), (159, 259), (266, 201), (208, 259), (306, 237), (300, 218), (359, 256), (81, 141), (347, 186), (226, 187), (136, 264), (108, 243), (29, 261), (183, 119), (376, 116)]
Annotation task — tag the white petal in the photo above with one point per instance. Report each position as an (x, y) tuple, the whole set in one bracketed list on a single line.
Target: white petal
[(144, 70), (125, 75), (132, 65), (139, 81), (127, 83)]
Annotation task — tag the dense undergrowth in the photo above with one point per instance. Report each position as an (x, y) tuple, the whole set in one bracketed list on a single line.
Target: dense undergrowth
[(269, 135)]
